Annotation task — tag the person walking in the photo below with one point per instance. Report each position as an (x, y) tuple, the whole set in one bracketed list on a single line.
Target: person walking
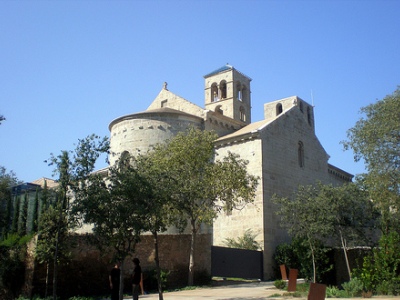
[(114, 281), (136, 278)]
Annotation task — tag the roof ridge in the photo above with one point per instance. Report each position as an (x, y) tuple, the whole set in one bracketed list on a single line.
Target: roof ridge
[(225, 68)]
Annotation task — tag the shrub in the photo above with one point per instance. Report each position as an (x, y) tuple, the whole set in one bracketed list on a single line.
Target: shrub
[(150, 279), (247, 241), (334, 292), (354, 287), (12, 267), (379, 272), (280, 284), (391, 287), (296, 255)]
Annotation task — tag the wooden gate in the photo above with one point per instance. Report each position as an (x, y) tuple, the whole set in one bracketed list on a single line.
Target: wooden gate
[(236, 263)]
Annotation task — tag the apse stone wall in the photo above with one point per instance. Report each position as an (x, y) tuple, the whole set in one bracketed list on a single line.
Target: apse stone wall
[(138, 133)]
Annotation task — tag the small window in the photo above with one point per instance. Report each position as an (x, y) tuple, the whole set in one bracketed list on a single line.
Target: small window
[(245, 94), (219, 110), (214, 92), (239, 91), (301, 106), (309, 116), (222, 87), (279, 109), (242, 114), (164, 103), (124, 160), (300, 153)]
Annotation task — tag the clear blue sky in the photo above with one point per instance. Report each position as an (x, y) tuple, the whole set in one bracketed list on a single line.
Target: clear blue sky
[(68, 68)]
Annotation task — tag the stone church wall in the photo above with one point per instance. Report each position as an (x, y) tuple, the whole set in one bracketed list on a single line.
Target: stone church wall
[(139, 132), (282, 172), (250, 216), (273, 155)]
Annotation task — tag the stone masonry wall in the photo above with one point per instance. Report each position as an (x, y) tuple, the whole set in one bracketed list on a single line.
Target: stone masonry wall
[(86, 274), (139, 132)]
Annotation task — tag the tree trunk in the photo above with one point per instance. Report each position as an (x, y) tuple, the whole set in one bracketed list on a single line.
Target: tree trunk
[(47, 279), (345, 254), (158, 269), (121, 278), (55, 269), (191, 257), (313, 260)]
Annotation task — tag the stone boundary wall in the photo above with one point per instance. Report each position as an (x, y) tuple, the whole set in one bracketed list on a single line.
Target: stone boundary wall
[(86, 274)]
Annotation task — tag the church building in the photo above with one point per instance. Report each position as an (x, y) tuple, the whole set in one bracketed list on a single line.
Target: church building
[(282, 149)]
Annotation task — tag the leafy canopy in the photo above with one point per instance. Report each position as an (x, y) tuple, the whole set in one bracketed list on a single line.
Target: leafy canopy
[(376, 139)]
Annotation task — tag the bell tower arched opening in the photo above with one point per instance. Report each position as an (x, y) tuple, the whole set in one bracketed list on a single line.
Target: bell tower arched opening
[(229, 89)]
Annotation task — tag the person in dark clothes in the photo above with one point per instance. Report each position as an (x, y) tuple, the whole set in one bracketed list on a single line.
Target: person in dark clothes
[(136, 278), (114, 281)]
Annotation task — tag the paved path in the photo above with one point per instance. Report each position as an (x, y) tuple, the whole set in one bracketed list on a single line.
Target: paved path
[(254, 291), (248, 291)]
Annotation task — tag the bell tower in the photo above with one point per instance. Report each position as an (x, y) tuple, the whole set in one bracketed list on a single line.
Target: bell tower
[(227, 91)]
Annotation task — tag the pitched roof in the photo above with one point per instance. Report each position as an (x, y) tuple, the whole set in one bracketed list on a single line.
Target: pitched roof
[(219, 70), (227, 67), (49, 182), (251, 128)]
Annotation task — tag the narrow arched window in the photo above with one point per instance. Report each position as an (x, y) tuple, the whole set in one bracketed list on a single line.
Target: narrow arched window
[(300, 154), (124, 160), (219, 110), (222, 87), (279, 109), (214, 92), (309, 116), (245, 93), (242, 114), (301, 106), (239, 91)]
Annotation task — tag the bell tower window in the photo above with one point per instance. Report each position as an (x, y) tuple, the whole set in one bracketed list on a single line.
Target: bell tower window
[(245, 96), (222, 87), (239, 91), (242, 114), (230, 88), (214, 92)]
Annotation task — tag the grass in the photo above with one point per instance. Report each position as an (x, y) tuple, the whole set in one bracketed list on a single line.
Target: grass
[(301, 292), (275, 295)]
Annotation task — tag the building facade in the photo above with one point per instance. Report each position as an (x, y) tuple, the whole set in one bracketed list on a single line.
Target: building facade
[(282, 150)]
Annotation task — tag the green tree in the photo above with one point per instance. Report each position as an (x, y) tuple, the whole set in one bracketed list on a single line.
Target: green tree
[(354, 217), (15, 220), (7, 180), (24, 216), (6, 220), (202, 186), (305, 216), (318, 213), (73, 169), (381, 269), (53, 233), (375, 139), (61, 224), (160, 201), (35, 212), (117, 207)]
